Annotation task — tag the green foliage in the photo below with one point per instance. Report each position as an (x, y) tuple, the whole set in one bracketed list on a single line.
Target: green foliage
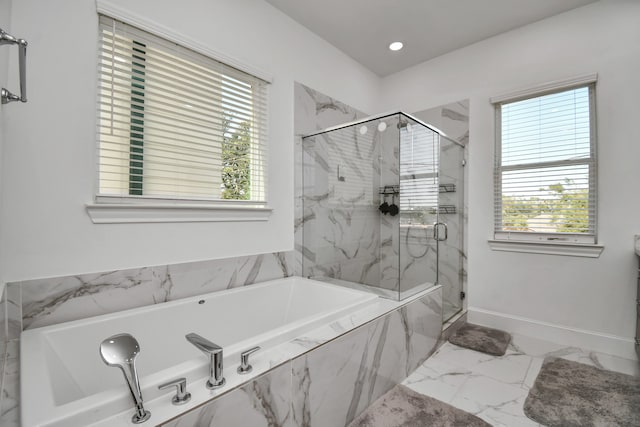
[(568, 209), (516, 212), (236, 164)]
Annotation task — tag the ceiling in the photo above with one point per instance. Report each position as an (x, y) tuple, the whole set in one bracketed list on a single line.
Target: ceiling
[(363, 29)]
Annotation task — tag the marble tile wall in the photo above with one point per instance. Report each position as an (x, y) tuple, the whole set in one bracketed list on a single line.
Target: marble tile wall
[(50, 301), (9, 358), (336, 240), (345, 236), (335, 382), (3, 331)]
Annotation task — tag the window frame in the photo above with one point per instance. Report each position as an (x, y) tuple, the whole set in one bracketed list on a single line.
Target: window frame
[(547, 242), (150, 209)]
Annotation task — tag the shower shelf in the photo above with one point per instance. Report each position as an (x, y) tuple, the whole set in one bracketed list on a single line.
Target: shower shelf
[(444, 209), (447, 188), (389, 189)]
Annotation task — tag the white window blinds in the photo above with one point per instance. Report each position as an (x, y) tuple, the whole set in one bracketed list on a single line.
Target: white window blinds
[(419, 163), (175, 124), (545, 175)]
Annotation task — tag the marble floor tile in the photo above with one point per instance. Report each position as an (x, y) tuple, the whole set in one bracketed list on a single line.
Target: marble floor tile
[(438, 379), (532, 372), (509, 369), (495, 387), (494, 401)]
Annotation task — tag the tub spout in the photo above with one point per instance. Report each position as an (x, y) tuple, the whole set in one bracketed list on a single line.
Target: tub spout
[(121, 351), (214, 352)]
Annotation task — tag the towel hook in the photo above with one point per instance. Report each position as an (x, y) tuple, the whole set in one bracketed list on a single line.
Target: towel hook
[(6, 38)]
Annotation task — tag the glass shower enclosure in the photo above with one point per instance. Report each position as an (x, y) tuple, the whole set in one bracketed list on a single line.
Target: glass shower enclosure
[(372, 213)]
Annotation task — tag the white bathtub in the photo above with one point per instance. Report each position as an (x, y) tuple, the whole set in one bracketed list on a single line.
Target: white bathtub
[(64, 382)]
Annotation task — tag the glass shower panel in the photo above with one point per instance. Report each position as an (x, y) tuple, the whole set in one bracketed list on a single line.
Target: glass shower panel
[(371, 204), (419, 186), (451, 269), (344, 238)]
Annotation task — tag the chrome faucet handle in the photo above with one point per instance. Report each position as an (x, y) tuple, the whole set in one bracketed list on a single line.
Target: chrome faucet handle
[(244, 367), (182, 396), (214, 352)]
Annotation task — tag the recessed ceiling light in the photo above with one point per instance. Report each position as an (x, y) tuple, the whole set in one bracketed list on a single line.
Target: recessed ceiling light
[(396, 46)]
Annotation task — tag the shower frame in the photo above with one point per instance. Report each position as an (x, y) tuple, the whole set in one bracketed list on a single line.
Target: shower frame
[(330, 275)]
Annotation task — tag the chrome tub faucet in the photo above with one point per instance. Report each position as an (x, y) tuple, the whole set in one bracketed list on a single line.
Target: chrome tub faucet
[(214, 352)]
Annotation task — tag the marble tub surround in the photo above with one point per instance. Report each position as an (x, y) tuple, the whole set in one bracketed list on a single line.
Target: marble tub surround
[(10, 385), (49, 301), (494, 388), (262, 402), (9, 359), (409, 329), (338, 378), (3, 331)]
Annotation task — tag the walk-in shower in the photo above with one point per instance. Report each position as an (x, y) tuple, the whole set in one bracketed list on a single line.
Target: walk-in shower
[(373, 204)]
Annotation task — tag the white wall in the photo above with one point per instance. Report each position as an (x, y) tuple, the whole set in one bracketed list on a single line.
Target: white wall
[(49, 166), (596, 295)]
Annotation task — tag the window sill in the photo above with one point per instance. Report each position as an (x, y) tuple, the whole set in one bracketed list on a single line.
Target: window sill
[(566, 249), (117, 213)]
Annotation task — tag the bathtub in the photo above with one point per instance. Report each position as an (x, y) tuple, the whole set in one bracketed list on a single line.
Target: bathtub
[(64, 382)]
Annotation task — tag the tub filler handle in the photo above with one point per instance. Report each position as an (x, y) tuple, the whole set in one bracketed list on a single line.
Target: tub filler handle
[(182, 396), (214, 352), (244, 367)]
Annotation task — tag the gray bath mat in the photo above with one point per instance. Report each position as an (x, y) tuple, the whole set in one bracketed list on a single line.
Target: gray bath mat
[(402, 406), (480, 338), (568, 394)]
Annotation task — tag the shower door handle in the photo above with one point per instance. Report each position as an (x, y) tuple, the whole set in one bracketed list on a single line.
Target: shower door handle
[(6, 38), (436, 232)]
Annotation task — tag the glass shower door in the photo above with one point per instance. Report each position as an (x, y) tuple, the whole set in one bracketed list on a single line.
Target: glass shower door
[(451, 260), (419, 183)]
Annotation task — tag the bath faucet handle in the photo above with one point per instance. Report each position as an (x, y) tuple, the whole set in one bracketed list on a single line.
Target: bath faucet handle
[(182, 395), (203, 344), (214, 353), (244, 367)]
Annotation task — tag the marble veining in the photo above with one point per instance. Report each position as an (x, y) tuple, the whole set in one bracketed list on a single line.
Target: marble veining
[(50, 301), (494, 388), (9, 401), (41, 302), (332, 383)]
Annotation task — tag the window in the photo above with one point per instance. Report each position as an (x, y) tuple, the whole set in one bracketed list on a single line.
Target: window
[(545, 169), (175, 125), (419, 164)]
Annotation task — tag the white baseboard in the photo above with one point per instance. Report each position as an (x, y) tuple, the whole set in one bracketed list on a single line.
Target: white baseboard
[(588, 340)]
